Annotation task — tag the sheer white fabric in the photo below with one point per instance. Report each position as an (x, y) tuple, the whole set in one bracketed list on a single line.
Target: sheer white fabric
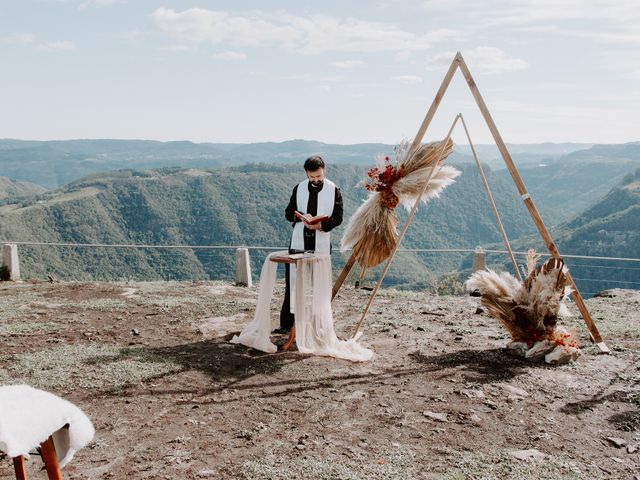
[(314, 319)]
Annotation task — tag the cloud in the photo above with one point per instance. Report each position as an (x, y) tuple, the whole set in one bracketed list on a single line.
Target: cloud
[(407, 79), (313, 34), (180, 48), (604, 20), (19, 39), (347, 64), (231, 56), (60, 46), (98, 3), (481, 60)]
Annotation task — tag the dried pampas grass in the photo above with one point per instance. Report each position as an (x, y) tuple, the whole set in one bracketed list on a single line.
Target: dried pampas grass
[(529, 310), (371, 231)]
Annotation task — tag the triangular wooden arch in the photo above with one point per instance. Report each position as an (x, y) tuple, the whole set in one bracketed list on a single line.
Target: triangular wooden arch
[(459, 63)]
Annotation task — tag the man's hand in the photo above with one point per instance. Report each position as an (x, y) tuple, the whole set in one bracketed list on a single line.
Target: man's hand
[(317, 226)]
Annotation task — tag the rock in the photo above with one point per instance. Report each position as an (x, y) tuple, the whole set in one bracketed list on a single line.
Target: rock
[(518, 392), (632, 449), (562, 355), (539, 350), (207, 473), (475, 418), (440, 417), (479, 311), (300, 446), (617, 442), (469, 393), (135, 332), (518, 348), (531, 454)]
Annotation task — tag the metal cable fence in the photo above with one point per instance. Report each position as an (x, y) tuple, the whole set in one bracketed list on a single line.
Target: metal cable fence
[(440, 270)]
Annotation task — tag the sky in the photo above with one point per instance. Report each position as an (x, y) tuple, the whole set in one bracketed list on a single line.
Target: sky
[(335, 71)]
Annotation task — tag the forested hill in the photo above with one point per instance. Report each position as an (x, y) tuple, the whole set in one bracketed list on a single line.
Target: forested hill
[(563, 187), (226, 206), (10, 188), (610, 228)]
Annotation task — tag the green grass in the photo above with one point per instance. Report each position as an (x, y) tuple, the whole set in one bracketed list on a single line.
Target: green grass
[(21, 328), (502, 466), (90, 366), (101, 305), (398, 463)]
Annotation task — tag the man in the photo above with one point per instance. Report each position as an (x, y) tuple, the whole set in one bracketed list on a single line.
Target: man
[(312, 197)]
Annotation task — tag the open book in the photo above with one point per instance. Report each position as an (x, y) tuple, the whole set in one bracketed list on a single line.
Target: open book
[(313, 221)]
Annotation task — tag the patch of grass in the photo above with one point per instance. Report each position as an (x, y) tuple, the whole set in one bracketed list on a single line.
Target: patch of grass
[(91, 366), (497, 466), (18, 328), (398, 463), (102, 305)]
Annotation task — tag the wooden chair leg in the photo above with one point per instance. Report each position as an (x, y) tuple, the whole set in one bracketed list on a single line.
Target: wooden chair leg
[(292, 338), (50, 459), (18, 465)]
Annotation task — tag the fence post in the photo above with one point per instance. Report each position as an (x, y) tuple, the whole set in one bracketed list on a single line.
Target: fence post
[(243, 268), (479, 260), (10, 260)]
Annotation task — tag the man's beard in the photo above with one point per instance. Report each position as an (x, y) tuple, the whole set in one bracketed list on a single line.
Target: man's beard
[(316, 183)]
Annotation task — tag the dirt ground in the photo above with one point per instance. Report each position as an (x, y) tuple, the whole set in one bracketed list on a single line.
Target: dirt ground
[(171, 398)]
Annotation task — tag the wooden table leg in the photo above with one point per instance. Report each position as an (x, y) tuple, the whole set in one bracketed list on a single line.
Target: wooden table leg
[(50, 459), (292, 338), (18, 465)]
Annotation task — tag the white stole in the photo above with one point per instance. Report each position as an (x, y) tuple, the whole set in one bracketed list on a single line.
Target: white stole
[(326, 202)]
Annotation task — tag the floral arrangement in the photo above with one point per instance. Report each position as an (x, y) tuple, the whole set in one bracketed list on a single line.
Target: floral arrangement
[(371, 231), (381, 179)]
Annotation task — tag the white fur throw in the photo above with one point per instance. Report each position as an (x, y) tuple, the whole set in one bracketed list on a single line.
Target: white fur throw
[(28, 416)]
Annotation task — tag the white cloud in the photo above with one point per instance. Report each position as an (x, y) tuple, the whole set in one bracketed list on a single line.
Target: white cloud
[(19, 39), (232, 56), (308, 35), (347, 64), (60, 46), (407, 79), (98, 3), (180, 48), (603, 20), (481, 60)]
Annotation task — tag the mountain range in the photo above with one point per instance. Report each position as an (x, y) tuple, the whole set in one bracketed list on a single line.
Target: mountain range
[(204, 201)]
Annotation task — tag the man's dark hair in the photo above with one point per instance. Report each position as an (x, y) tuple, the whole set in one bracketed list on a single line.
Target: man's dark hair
[(313, 163)]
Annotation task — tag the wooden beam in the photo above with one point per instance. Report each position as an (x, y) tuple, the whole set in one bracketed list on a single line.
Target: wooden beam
[(343, 275), (533, 211), (405, 227)]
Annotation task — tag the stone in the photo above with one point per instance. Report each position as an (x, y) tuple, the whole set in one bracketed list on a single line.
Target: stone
[(617, 442), (562, 355), (632, 449), (469, 393), (475, 418), (531, 454), (439, 417), (539, 350), (518, 348), (518, 392)]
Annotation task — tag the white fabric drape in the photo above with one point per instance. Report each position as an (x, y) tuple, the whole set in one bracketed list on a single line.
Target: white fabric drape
[(314, 319)]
